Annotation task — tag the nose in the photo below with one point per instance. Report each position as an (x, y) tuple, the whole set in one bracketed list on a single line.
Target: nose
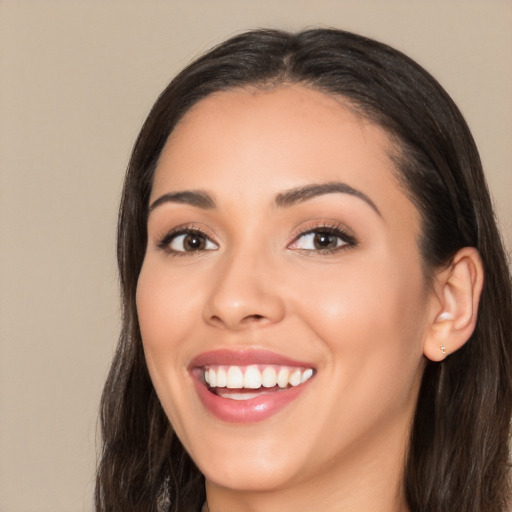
[(244, 294)]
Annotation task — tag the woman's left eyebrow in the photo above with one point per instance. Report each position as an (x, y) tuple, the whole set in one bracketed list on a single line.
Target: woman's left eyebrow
[(306, 192)]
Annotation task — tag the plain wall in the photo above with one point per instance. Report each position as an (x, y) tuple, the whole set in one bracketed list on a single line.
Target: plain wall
[(76, 81)]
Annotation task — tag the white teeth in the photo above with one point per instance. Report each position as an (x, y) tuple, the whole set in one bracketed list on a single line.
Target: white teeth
[(282, 377), (235, 378), (255, 377), (306, 375), (221, 378), (237, 396), (213, 377), (295, 377), (269, 377), (252, 378)]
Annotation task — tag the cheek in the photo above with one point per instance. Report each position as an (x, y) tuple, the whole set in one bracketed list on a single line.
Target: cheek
[(166, 304), (370, 312), (166, 311)]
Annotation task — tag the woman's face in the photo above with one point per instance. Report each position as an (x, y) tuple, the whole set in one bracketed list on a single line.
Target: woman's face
[(282, 267)]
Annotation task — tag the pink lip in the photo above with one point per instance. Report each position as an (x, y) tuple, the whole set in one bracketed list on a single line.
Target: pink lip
[(244, 411), (244, 358)]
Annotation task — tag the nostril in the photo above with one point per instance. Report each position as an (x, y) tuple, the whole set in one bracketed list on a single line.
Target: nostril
[(245, 321), (250, 318)]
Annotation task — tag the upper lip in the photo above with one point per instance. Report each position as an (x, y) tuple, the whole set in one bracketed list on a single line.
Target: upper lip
[(244, 358)]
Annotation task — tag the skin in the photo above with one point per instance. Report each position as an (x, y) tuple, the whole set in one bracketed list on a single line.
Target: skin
[(361, 315)]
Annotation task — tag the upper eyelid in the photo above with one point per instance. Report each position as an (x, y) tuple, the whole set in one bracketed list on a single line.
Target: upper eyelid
[(326, 225), (183, 229), (349, 239)]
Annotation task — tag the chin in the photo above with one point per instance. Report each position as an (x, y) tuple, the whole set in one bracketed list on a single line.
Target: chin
[(253, 457), (250, 474)]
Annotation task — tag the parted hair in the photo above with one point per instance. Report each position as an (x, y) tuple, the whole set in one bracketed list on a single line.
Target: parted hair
[(458, 452)]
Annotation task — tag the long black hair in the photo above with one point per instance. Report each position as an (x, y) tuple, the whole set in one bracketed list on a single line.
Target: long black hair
[(458, 457)]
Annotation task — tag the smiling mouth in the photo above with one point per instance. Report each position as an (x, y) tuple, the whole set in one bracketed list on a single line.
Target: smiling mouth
[(247, 386), (247, 382)]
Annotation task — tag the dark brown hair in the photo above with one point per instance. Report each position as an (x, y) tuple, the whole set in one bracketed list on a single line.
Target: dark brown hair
[(458, 458)]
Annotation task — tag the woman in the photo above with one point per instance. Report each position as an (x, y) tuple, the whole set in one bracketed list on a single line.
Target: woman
[(317, 303)]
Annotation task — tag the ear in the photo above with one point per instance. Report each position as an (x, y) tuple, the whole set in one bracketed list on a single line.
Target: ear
[(454, 310)]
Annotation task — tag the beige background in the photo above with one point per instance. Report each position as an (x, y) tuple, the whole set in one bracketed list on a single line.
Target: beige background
[(77, 79)]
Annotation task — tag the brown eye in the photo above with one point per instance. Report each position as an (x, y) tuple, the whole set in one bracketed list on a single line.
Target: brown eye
[(191, 241), (194, 242), (323, 240)]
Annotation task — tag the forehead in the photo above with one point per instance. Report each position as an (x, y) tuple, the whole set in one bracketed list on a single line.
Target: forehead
[(253, 143), (284, 114)]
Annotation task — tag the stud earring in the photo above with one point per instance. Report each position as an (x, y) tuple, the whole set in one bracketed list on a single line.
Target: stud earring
[(445, 316), (443, 349)]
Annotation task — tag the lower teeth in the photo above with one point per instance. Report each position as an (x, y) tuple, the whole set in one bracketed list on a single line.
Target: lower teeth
[(240, 395)]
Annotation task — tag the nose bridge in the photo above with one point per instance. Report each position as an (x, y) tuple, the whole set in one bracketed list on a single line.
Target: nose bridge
[(244, 292)]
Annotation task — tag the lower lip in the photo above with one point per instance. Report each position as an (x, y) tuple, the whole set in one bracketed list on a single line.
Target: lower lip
[(247, 411)]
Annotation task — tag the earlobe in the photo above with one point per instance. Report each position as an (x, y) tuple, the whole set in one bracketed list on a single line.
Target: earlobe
[(455, 309)]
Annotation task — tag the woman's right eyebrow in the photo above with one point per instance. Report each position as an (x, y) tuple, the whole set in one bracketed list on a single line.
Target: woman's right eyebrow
[(196, 198)]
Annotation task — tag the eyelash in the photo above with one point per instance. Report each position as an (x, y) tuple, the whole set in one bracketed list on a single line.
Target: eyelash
[(171, 236), (329, 230)]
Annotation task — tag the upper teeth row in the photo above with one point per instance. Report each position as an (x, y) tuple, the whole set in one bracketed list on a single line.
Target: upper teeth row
[(252, 377)]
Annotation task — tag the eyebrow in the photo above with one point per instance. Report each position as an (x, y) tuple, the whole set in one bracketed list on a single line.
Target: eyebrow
[(301, 194), (196, 198), (203, 200)]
